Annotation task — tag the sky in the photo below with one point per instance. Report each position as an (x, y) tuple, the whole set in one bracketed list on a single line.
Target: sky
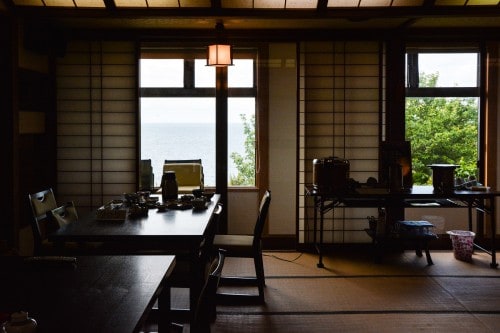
[(454, 70), (167, 110), (169, 74)]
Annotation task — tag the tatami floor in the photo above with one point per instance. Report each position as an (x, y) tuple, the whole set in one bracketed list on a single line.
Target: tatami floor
[(355, 294)]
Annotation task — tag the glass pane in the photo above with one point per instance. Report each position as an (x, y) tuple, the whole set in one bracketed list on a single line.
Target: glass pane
[(450, 69), (241, 141), (162, 73), (442, 130), (178, 128), (184, 128), (204, 76), (241, 74)]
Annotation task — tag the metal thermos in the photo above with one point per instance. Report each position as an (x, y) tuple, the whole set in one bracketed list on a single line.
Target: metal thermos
[(169, 187)]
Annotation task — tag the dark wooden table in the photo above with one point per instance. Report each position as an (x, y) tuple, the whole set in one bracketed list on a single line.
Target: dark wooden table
[(418, 196), (97, 294), (173, 232)]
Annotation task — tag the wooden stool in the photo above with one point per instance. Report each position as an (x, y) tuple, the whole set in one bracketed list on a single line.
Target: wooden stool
[(417, 232)]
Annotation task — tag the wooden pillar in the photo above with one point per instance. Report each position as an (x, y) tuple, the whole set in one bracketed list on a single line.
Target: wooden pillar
[(221, 141), (395, 115)]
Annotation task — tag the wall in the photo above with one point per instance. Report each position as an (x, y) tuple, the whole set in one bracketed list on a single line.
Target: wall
[(282, 138), (34, 133), (282, 151), (7, 60), (495, 139)]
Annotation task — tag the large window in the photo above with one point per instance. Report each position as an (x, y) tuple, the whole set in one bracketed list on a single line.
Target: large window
[(442, 110), (178, 114)]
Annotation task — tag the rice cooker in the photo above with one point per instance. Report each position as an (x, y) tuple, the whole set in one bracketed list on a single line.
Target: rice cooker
[(331, 175)]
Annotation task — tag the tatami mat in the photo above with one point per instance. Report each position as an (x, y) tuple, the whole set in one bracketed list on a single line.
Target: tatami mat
[(355, 294)]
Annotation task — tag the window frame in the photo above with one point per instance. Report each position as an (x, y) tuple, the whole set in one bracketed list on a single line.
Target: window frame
[(190, 54), (412, 81), (413, 90)]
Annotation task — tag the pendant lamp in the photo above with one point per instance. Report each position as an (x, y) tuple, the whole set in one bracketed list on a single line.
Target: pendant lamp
[(219, 54)]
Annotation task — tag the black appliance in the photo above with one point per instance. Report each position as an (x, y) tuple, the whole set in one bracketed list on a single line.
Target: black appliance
[(331, 175)]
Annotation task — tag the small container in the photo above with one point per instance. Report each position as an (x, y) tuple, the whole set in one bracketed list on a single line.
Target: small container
[(20, 323)]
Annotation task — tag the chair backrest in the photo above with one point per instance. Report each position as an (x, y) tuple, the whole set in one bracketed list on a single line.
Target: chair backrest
[(64, 214), (146, 179), (208, 242), (261, 218), (205, 311), (41, 202), (197, 160), (189, 173)]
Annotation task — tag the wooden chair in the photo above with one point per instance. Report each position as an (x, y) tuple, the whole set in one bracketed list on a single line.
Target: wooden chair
[(64, 214), (42, 202), (48, 217), (246, 246), (205, 309), (205, 312), (182, 275)]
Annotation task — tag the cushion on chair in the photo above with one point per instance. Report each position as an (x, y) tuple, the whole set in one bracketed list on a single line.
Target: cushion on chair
[(238, 245)]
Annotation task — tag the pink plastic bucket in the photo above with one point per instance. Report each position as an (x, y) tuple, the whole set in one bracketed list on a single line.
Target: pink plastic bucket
[(463, 244)]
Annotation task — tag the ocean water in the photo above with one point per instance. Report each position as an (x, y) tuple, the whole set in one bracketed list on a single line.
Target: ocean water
[(160, 141)]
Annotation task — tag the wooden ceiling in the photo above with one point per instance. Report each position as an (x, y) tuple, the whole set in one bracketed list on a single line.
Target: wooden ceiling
[(260, 15)]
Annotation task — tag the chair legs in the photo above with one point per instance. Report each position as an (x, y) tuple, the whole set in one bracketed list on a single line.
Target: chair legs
[(258, 281), (259, 271)]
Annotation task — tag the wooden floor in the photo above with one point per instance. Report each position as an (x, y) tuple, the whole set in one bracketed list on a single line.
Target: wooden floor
[(355, 294)]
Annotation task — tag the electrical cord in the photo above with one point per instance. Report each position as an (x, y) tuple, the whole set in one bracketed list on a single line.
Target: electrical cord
[(283, 259)]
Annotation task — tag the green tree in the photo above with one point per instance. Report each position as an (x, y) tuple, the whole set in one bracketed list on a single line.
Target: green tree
[(441, 130), (245, 164)]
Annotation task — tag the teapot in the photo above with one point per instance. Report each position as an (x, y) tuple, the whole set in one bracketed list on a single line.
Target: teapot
[(19, 323)]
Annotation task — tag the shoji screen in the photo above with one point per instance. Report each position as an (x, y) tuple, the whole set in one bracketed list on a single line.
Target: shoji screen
[(341, 100), (96, 121)]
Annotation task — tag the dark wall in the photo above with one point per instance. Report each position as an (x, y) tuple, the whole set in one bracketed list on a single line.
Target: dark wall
[(28, 162), (36, 149), (6, 128)]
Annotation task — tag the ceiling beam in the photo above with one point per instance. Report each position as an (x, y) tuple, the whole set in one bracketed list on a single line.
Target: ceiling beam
[(345, 13), (250, 37)]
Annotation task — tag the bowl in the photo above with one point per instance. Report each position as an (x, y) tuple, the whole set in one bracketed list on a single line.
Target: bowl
[(199, 203), (208, 195)]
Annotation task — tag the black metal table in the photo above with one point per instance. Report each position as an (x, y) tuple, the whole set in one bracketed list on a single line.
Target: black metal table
[(483, 201)]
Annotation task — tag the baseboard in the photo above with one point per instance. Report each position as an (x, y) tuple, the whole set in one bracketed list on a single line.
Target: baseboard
[(289, 243), (279, 242)]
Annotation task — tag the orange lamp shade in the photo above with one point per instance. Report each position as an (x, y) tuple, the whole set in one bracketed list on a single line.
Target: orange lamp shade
[(219, 55)]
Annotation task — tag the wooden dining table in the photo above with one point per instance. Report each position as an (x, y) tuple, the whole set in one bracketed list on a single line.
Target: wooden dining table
[(171, 232), (92, 294)]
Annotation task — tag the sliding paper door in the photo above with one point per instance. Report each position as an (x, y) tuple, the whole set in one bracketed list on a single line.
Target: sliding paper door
[(341, 114), (96, 122)]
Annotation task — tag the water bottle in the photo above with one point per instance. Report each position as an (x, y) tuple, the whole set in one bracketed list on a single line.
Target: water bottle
[(169, 187)]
